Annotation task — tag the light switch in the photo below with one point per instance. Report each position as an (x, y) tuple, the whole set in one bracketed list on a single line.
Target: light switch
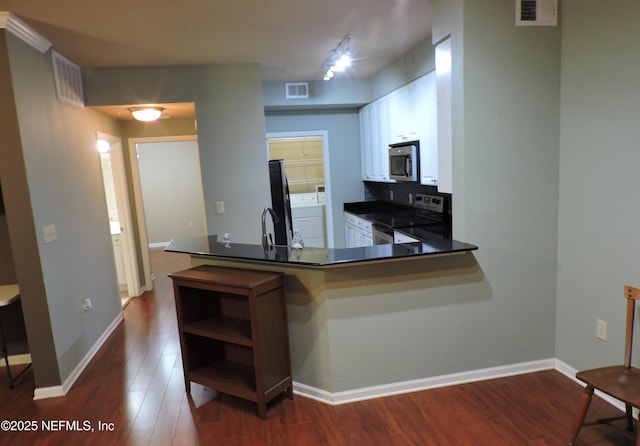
[(49, 233), (219, 207)]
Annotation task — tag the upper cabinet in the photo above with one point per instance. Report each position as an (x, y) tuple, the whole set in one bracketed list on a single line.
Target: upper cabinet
[(374, 140), (425, 119), (444, 112), (406, 114)]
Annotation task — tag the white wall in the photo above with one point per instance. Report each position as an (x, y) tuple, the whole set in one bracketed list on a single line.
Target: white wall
[(171, 190), (599, 235)]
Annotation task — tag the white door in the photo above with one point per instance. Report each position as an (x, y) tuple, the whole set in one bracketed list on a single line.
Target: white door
[(115, 186)]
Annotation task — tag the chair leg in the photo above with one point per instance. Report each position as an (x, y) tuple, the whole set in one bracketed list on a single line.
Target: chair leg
[(629, 417), (582, 413), (6, 357)]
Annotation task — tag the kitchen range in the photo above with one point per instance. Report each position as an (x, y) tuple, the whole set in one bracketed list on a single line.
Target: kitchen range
[(426, 222), (427, 219)]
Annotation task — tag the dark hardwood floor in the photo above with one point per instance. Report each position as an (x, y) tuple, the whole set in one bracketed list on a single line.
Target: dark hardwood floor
[(134, 385)]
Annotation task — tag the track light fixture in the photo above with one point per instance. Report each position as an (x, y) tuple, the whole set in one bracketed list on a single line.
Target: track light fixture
[(339, 59)]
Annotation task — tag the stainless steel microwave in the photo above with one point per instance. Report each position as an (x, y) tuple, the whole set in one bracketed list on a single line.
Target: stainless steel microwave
[(403, 161)]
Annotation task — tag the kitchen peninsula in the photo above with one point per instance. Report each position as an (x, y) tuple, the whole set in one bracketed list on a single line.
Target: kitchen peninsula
[(356, 315)]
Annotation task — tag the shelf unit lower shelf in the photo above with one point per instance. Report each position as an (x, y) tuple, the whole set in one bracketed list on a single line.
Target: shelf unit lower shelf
[(227, 377)]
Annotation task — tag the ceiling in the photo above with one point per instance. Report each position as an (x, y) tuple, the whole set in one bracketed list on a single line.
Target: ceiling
[(290, 39)]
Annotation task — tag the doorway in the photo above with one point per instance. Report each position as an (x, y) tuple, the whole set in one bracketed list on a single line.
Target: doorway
[(306, 157), (167, 186), (115, 189)]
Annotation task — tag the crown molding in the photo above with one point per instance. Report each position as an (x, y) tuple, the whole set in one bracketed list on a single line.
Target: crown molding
[(23, 31)]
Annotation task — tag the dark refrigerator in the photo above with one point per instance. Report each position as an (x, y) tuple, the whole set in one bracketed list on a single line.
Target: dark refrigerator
[(280, 203)]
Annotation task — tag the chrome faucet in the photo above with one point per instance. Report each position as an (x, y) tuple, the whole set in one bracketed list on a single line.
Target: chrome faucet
[(267, 239)]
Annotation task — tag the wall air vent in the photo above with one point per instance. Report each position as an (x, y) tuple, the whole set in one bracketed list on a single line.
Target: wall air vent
[(68, 79), (536, 12), (297, 90)]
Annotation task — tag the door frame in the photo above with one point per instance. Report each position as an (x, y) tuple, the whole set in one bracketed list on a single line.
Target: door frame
[(324, 134), (137, 194), (130, 261)]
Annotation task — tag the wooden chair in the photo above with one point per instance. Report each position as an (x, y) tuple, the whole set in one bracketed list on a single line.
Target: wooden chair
[(622, 382)]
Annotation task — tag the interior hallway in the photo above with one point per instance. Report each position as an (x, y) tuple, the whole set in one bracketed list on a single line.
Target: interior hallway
[(134, 385)]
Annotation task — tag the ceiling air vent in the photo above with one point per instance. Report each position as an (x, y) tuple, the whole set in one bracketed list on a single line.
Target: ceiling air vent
[(536, 12), (297, 90), (68, 79)]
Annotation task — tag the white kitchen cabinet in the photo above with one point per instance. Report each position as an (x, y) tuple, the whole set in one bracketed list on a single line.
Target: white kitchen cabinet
[(406, 114), (350, 232), (425, 117), (366, 136), (444, 114), (385, 133), (404, 126), (309, 220), (358, 231), (374, 139), (396, 121)]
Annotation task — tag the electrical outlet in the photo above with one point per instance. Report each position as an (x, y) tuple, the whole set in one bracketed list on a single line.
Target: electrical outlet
[(219, 207), (86, 306), (601, 330)]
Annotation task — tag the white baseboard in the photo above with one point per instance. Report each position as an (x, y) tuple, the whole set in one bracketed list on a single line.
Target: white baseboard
[(56, 391), (41, 393), (570, 373), (366, 393)]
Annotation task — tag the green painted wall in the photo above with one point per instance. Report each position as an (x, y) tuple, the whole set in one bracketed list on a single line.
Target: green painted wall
[(599, 159), (231, 131), (61, 164), (506, 130)]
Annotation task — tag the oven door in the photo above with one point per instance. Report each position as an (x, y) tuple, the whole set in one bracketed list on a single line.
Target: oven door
[(382, 235)]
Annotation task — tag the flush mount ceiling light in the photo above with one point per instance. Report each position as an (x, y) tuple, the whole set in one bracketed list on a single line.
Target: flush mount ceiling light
[(146, 114), (339, 59)]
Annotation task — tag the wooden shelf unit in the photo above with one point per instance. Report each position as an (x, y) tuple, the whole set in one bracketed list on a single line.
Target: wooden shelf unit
[(233, 330)]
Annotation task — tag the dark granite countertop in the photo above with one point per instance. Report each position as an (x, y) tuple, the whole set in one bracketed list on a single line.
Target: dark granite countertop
[(209, 246), (401, 218)]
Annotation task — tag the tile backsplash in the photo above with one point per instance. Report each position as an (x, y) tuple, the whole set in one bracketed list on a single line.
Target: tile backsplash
[(399, 191)]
